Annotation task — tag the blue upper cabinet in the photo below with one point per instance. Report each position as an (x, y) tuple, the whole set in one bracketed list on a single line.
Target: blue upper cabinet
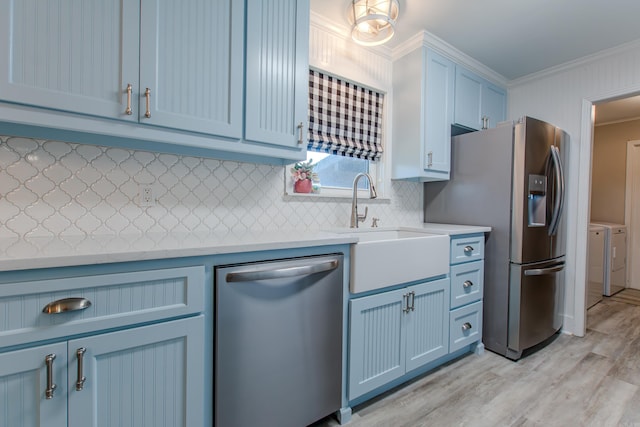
[(191, 64), (277, 80), (139, 73), (479, 104), (69, 56), (423, 85)]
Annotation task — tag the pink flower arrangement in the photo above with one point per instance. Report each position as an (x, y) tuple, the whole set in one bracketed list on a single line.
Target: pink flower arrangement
[(303, 170)]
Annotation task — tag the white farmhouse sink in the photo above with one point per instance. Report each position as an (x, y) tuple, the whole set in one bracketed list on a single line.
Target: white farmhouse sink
[(386, 257)]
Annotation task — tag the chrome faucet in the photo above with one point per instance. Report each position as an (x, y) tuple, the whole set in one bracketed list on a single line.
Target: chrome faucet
[(355, 217)]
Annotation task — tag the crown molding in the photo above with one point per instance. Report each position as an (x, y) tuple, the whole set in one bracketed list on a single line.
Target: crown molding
[(615, 122), (580, 62), (431, 41)]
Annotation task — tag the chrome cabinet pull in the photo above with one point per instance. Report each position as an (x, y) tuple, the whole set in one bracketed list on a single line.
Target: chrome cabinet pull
[(81, 378), (50, 385), (405, 303), (413, 300), (128, 110), (430, 159), (467, 284), (147, 94), (300, 126), (66, 304), (468, 250), (466, 326)]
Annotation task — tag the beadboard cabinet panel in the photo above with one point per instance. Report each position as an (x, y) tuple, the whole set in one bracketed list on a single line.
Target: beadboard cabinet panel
[(428, 324), (69, 55), (376, 346), (277, 81), (145, 377), (191, 61), (23, 383)]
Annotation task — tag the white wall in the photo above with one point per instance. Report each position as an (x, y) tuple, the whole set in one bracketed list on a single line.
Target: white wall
[(560, 96)]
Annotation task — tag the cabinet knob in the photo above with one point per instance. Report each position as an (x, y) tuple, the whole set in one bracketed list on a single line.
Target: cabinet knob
[(468, 250), (467, 284), (466, 326)]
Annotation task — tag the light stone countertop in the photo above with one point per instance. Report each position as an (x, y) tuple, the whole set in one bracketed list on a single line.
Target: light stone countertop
[(44, 252), (61, 251)]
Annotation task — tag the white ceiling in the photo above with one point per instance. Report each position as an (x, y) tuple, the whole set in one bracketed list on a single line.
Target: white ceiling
[(513, 37), (518, 37)]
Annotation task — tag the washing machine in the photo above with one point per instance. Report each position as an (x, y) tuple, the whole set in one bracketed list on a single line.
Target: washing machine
[(615, 247), (595, 275)]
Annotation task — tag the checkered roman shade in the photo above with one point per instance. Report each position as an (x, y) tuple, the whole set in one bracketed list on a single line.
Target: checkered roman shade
[(344, 118)]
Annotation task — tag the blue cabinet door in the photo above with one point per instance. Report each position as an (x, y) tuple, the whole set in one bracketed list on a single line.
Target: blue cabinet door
[(427, 323), (277, 66), (70, 56), (468, 99), (438, 113), (494, 104), (23, 384), (150, 376), (191, 58), (376, 341), (478, 103)]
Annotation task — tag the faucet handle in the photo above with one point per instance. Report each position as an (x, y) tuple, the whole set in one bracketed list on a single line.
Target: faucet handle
[(361, 218)]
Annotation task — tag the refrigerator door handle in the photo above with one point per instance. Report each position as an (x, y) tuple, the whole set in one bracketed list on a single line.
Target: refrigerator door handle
[(558, 203), (543, 271)]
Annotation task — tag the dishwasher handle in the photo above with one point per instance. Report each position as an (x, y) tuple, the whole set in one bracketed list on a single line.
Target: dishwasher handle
[(279, 273)]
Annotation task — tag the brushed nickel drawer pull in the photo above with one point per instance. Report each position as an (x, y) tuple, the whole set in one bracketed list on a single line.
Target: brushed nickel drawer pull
[(81, 378), (147, 94), (468, 250), (413, 300), (466, 326), (128, 111), (405, 303), (51, 387), (66, 304), (467, 284), (300, 126)]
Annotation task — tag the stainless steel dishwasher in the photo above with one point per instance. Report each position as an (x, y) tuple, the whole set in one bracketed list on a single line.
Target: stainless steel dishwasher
[(278, 333)]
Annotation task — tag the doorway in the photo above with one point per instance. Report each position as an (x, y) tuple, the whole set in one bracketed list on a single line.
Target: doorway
[(613, 162), (632, 213)]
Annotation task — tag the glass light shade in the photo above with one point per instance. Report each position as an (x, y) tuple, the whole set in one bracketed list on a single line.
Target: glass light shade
[(372, 21)]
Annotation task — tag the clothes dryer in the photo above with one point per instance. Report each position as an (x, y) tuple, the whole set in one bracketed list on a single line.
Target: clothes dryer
[(615, 276)]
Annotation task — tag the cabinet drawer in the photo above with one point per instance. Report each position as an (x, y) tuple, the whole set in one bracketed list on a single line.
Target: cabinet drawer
[(467, 248), (117, 300), (467, 282), (465, 326)]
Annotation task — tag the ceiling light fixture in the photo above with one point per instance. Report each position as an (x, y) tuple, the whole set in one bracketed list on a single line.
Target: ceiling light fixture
[(372, 21)]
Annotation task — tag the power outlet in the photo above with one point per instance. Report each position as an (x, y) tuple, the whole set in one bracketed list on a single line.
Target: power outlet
[(147, 198)]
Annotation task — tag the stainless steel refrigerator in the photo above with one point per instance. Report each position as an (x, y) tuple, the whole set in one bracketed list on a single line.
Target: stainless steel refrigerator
[(511, 178)]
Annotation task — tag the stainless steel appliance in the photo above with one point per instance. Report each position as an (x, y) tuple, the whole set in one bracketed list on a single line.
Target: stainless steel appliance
[(596, 264), (512, 179), (278, 346), (615, 257)]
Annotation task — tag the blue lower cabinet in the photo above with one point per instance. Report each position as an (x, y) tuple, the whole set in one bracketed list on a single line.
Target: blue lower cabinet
[(147, 376), (394, 332)]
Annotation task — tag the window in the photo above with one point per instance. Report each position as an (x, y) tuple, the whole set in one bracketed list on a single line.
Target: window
[(345, 131)]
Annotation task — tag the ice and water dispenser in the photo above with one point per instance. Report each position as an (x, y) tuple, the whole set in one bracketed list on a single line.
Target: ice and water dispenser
[(537, 198)]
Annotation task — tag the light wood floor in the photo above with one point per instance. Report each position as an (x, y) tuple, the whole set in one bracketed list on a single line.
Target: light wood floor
[(590, 381)]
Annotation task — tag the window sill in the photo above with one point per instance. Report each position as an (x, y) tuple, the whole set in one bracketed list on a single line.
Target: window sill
[(339, 195)]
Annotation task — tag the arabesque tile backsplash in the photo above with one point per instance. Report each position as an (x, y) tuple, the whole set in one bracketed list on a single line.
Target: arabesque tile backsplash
[(51, 188)]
